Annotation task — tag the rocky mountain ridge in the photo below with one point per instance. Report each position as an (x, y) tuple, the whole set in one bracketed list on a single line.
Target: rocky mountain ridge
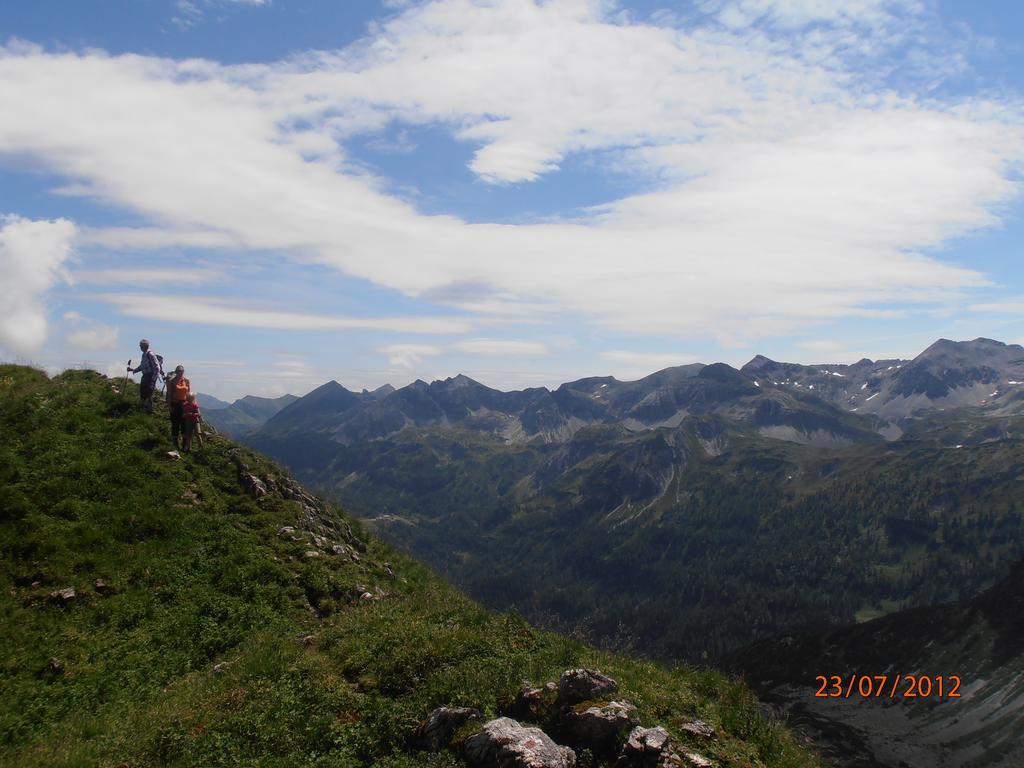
[(811, 404)]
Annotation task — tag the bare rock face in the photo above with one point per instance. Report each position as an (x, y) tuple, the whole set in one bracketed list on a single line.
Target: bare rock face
[(437, 730), (254, 486), (647, 748), (653, 748), (533, 703), (579, 685), (63, 597), (697, 760), (504, 743), (598, 727), (699, 728)]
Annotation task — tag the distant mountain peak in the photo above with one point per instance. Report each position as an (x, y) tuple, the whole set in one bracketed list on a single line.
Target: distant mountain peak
[(946, 346), (329, 386), (720, 372), (211, 403), (760, 363)]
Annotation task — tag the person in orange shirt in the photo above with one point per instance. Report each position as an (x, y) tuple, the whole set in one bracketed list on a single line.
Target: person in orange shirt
[(178, 390)]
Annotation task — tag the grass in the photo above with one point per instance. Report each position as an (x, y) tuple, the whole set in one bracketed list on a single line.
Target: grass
[(218, 642)]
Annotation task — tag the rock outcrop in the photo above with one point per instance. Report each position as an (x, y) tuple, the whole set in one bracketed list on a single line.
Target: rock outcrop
[(579, 685), (597, 727), (699, 728), (504, 743), (533, 702), (63, 597), (572, 715), (437, 730), (647, 748)]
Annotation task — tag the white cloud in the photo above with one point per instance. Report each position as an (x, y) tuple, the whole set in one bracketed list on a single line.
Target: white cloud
[(293, 367), (501, 348), (787, 192), (191, 12), (150, 238), (209, 311), (408, 356), (87, 335), (634, 365), (93, 338), (146, 276), (1011, 306), (32, 255), (798, 13)]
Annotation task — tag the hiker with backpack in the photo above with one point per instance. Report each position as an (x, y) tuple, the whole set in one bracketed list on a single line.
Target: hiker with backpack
[(191, 419), (152, 369), (178, 390)]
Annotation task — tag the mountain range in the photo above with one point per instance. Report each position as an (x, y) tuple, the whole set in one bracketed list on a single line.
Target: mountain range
[(815, 404), (698, 508)]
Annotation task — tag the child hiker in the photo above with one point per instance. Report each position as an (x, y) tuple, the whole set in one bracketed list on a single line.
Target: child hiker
[(190, 419), (178, 390)]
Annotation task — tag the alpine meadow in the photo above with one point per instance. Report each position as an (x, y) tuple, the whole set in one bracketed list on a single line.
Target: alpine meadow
[(512, 383)]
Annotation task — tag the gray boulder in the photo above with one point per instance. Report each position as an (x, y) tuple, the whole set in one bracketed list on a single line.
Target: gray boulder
[(533, 702), (579, 685), (698, 760), (647, 748), (437, 730), (652, 748), (254, 485), (598, 727), (63, 596), (699, 728), (504, 743)]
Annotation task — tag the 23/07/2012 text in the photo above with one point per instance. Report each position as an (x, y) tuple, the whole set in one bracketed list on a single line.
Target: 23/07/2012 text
[(888, 686)]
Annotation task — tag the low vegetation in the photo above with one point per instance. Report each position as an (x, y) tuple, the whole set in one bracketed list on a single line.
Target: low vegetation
[(198, 633)]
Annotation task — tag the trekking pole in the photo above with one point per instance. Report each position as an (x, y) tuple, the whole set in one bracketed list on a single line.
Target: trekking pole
[(199, 431), (124, 387)]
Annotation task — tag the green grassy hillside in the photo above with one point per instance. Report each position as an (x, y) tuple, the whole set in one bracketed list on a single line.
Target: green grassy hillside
[(210, 627)]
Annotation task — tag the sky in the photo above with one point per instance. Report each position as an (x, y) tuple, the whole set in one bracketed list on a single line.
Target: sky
[(278, 193)]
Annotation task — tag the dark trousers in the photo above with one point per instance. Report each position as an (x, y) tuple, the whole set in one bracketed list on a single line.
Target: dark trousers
[(188, 428), (146, 387), (176, 419)]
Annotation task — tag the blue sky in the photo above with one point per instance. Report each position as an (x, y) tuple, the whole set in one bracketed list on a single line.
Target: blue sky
[(279, 193)]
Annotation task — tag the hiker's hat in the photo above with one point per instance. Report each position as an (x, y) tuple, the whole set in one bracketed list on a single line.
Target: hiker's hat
[(179, 369)]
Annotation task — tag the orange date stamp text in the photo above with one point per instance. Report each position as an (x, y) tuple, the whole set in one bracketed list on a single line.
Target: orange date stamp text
[(887, 686)]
